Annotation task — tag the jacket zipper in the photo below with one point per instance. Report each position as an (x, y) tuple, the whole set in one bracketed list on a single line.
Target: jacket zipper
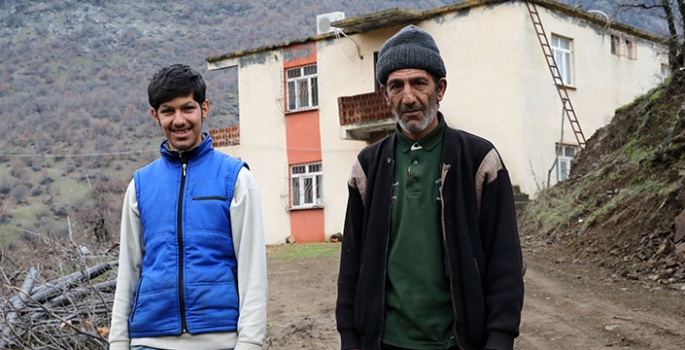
[(179, 237), (448, 265)]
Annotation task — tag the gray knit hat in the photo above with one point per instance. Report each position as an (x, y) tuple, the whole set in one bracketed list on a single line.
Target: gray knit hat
[(411, 47)]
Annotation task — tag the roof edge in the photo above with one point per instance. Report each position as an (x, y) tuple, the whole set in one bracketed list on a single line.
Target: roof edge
[(413, 16)]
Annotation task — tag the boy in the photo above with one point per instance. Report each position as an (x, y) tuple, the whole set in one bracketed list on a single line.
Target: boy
[(192, 262)]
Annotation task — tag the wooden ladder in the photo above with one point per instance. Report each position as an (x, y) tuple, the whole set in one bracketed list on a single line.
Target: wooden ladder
[(556, 75)]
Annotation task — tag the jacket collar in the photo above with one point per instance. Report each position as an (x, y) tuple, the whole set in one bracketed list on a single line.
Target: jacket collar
[(183, 156)]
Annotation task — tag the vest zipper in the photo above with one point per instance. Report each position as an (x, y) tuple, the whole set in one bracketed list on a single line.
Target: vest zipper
[(445, 168), (179, 237)]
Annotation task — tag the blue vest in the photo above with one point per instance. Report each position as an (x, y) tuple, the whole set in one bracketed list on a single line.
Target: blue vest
[(188, 279)]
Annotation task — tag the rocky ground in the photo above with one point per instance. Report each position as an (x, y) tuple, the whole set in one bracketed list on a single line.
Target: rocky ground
[(571, 304)]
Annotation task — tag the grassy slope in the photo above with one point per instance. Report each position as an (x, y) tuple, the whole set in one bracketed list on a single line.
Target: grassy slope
[(618, 207)]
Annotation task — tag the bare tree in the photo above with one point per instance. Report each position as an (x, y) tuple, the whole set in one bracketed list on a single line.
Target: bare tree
[(675, 21)]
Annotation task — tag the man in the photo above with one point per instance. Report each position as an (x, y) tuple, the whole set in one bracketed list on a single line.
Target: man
[(192, 263), (431, 257)]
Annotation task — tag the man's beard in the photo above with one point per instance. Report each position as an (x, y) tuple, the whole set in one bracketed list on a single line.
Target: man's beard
[(413, 129)]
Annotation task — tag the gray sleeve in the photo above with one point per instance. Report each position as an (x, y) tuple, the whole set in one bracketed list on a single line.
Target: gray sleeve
[(248, 239), (130, 260)]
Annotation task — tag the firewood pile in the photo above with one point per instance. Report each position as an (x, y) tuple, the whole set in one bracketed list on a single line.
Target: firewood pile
[(69, 312)]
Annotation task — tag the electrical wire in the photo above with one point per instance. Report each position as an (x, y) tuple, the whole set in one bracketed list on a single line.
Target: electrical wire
[(339, 31), (72, 155)]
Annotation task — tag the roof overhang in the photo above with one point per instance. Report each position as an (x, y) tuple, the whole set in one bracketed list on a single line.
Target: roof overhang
[(377, 20), (399, 16)]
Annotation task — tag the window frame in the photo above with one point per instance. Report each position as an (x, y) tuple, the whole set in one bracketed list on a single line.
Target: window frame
[(302, 197), (623, 46), (564, 160), (616, 45), (564, 65), (631, 49), (300, 84), (665, 71)]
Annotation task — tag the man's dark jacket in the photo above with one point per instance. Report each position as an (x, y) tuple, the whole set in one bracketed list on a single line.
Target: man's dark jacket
[(481, 245)]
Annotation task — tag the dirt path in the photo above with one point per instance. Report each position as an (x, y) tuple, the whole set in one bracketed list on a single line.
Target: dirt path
[(575, 305), (569, 305)]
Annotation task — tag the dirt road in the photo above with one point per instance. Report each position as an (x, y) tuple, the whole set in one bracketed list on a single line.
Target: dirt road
[(569, 305)]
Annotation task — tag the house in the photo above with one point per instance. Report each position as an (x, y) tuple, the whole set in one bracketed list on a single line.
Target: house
[(308, 106)]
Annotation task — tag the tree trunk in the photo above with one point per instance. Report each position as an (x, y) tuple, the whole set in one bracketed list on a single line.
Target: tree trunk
[(681, 8), (673, 45)]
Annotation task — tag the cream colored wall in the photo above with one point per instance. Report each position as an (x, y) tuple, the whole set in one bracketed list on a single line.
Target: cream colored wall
[(262, 138), (342, 73), (234, 151)]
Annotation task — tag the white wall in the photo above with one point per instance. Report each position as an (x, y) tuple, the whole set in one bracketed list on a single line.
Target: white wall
[(341, 73), (262, 138)]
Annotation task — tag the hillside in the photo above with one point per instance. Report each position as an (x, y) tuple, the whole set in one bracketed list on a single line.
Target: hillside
[(73, 78), (72, 92), (622, 206)]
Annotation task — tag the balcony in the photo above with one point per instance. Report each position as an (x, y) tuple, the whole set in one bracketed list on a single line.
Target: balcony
[(365, 117), (224, 137)]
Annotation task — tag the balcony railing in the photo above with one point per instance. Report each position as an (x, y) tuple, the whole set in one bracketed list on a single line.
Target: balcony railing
[(365, 116), (223, 137)]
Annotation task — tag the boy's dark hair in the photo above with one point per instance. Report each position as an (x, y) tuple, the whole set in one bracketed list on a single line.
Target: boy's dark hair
[(174, 81)]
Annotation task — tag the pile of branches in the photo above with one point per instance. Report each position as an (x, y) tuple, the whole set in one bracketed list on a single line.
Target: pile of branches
[(56, 292), (70, 312)]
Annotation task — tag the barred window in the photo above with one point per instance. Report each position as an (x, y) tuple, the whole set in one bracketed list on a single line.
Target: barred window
[(306, 186), (302, 88)]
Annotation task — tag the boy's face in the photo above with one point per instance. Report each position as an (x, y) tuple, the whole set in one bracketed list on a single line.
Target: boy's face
[(181, 120)]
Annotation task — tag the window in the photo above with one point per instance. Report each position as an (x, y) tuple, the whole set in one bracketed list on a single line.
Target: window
[(623, 47), (306, 187), (302, 88), (561, 48), (665, 71), (615, 45), (565, 154), (631, 49)]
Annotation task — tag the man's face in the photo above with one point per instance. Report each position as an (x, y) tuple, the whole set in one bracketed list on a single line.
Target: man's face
[(413, 96), (181, 120)]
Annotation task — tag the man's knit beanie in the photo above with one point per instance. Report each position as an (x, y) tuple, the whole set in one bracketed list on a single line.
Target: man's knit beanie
[(411, 47)]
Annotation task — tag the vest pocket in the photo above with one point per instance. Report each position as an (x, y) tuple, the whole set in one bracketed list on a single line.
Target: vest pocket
[(210, 198)]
